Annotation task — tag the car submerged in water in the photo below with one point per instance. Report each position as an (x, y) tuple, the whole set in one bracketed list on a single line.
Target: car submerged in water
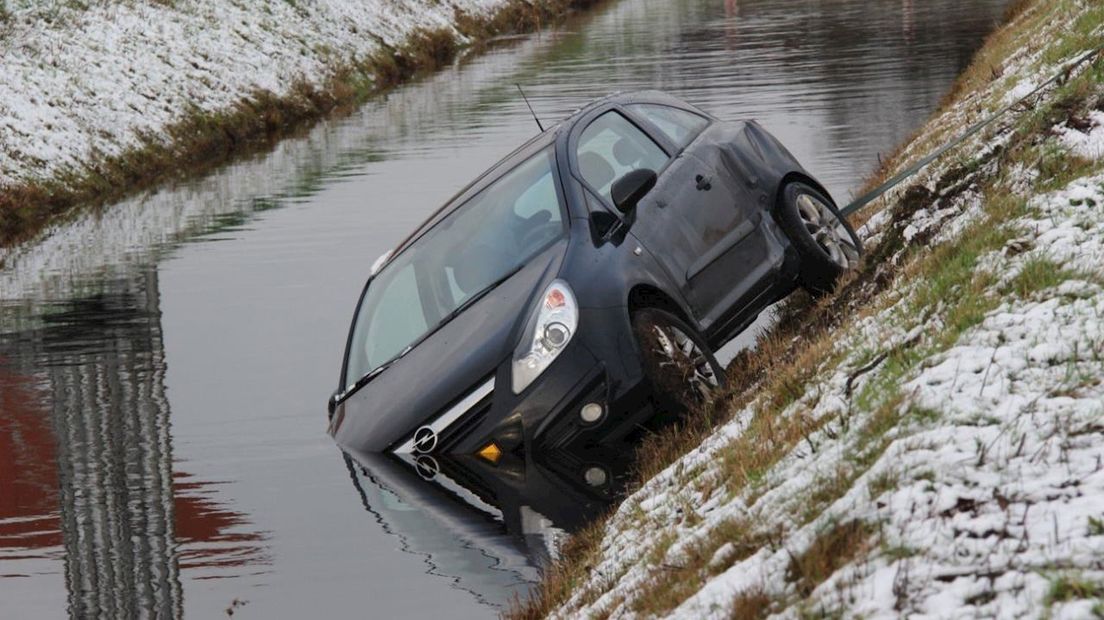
[(582, 284)]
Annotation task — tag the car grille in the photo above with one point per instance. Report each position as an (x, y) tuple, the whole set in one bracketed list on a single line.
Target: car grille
[(455, 421)]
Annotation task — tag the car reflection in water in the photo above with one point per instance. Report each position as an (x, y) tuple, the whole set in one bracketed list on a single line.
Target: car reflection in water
[(489, 525)]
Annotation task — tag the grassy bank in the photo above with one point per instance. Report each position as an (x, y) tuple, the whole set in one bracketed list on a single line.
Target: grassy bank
[(780, 495), (200, 141)]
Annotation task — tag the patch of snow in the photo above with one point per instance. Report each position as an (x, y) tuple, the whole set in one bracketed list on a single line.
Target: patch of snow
[(1022, 89), (85, 82), (875, 225), (1088, 144)]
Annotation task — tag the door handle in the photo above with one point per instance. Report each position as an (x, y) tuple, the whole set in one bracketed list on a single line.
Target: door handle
[(704, 182)]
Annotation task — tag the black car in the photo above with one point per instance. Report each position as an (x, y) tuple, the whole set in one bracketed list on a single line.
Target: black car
[(582, 283)]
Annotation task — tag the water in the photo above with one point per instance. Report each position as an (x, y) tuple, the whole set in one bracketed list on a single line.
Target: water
[(164, 362)]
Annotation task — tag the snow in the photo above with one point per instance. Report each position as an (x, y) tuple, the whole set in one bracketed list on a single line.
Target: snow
[(82, 82), (1022, 89), (1088, 144)]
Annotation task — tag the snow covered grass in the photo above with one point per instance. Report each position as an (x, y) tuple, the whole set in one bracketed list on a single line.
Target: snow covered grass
[(103, 98), (926, 441)]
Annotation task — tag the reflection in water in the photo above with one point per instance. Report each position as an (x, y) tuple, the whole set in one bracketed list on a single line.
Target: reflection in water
[(489, 528), (28, 475), (90, 474)]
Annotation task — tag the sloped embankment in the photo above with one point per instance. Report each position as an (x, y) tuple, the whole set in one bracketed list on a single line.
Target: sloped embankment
[(930, 439), (101, 98)]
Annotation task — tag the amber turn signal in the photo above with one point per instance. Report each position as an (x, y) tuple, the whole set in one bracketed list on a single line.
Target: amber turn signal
[(490, 452)]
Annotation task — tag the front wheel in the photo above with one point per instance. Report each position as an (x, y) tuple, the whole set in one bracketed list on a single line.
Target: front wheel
[(826, 242), (677, 361)]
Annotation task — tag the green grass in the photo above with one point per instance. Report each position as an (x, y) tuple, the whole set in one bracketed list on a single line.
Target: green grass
[(1096, 526), (1070, 587), (1040, 273), (1083, 34)]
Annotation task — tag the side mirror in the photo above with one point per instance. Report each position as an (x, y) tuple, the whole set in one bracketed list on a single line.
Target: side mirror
[(629, 189)]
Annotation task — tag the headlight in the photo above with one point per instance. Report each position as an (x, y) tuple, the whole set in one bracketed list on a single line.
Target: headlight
[(556, 318)]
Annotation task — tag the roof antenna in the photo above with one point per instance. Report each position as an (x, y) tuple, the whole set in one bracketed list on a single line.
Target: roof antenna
[(530, 107)]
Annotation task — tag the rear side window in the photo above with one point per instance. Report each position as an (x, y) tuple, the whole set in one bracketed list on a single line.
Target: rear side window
[(678, 125), (610, 147)]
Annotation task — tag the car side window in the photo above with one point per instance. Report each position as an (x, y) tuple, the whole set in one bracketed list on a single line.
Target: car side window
[(610, 147), (678, 125)]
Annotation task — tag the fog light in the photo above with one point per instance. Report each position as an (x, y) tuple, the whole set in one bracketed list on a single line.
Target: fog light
[(591, 413), (491, 453), (596, 476)]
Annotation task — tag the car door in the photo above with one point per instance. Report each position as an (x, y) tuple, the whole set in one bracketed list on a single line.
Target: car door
[(686, 221)]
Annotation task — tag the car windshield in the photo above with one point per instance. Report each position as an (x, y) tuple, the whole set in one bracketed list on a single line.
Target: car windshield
[(465, 254)]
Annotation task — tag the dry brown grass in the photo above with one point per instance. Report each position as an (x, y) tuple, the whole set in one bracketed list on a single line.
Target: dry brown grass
[(750, 605), (200, 142), (561, 579), (676, 581), (834, 547)]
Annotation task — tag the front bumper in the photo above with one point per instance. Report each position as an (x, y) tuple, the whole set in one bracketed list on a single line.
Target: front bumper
[(546, 415)]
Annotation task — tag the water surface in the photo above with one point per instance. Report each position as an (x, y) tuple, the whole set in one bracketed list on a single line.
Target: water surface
[(164, 361)]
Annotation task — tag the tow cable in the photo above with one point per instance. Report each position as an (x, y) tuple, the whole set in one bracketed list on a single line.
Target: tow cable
[(877, 192)]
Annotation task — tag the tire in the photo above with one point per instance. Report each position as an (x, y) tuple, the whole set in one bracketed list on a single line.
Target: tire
[(679, 377), (827, 244)]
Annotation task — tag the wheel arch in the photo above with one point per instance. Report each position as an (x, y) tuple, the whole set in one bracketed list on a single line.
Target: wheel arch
[(795, 176), (648, 296)]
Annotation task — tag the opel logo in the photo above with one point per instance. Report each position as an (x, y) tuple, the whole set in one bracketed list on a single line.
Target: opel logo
[(427, 467), (425, 440)]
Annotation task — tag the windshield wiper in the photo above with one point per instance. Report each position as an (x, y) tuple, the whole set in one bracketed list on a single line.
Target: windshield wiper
[(469, 302), (372, 374)]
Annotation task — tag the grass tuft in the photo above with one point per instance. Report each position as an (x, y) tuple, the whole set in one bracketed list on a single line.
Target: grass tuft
[(835, 547), (1070, 587), (750, 605)]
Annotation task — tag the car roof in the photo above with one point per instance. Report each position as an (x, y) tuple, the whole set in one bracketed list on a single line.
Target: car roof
[(534, 144)]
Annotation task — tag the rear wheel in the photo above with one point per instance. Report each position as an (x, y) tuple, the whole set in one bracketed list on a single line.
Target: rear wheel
[(826, 242), (677, 361)]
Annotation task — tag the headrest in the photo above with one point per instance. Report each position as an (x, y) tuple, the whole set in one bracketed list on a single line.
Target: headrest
[(626, 152), (596, 170)]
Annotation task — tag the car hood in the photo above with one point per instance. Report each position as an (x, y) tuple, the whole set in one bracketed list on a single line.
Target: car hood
[(448, 364)]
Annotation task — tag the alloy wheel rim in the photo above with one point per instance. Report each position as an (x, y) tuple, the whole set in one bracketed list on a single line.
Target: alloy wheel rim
[(676, 348), (828, 230)]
